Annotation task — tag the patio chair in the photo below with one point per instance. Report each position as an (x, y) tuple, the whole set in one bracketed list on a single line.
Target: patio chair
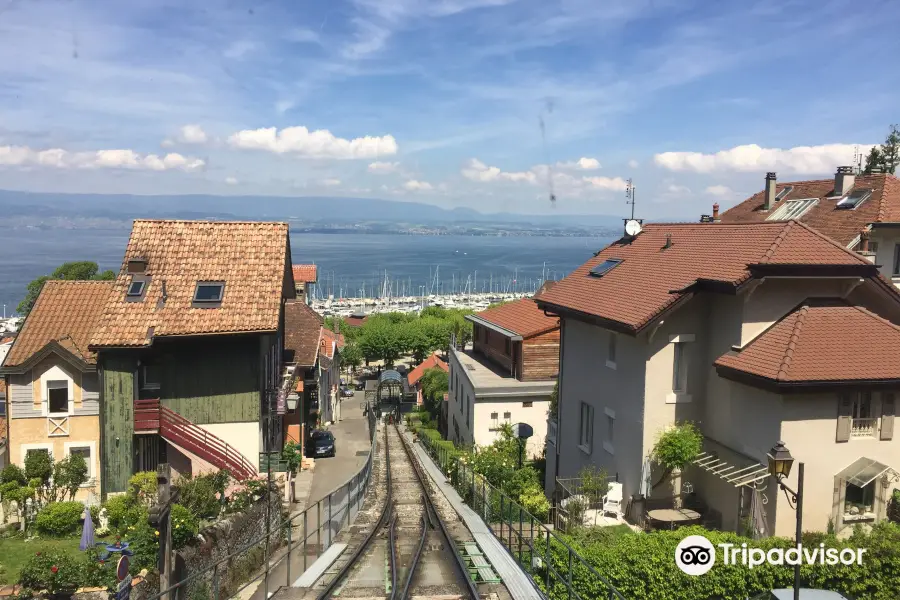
[(612, 501)]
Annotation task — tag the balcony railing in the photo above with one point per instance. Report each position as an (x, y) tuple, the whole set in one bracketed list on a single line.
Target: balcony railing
[(863, 428)]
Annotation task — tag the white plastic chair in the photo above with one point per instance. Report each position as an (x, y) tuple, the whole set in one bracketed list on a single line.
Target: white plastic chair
[(612, 501)]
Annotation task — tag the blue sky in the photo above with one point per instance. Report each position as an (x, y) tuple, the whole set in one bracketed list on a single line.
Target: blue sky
[(441, 101)]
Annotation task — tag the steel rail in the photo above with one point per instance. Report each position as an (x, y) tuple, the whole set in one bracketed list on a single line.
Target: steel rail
[(430, 509), (385, 511), (393, 542)]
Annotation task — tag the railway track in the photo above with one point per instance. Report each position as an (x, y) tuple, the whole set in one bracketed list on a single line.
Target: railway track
[(410, 551)]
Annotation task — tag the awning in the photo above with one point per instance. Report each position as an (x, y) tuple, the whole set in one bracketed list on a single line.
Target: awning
[(749, 476), (863, 471)]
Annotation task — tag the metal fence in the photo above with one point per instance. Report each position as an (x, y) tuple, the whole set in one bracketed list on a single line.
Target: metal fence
[(556, 569), (277, 557)]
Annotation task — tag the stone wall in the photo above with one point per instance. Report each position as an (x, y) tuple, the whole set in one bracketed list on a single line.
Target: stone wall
[(224, 538)]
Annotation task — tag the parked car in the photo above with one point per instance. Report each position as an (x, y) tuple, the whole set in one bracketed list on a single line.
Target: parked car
[(320, 444), (346, 392)]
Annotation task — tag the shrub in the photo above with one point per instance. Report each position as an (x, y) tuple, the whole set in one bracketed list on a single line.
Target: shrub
[(116, 507), (59, 518), (99, 573), (13, 474), (201, 495), (292, 455), (142, 487), (69, 474), (53, 570), (39, 467), (185, 526)]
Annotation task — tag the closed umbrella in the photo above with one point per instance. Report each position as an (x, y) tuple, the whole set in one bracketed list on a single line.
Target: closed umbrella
[(87, 534), (646, 484)]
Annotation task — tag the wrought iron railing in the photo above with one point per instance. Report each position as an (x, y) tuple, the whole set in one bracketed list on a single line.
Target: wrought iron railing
[(555, 568)]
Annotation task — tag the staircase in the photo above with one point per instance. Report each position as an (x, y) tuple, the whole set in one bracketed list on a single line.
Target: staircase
[(150, 416)]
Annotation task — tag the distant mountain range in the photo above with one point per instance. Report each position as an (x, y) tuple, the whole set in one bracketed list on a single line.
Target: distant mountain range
[(308, 209)]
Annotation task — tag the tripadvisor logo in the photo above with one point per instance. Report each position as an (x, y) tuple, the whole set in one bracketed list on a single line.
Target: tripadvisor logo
[(696, 555)]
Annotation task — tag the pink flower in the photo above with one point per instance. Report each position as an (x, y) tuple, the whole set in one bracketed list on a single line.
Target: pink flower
[(54, 569)]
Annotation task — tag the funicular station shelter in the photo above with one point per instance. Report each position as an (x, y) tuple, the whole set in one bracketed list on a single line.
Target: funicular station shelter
[(390, 394)]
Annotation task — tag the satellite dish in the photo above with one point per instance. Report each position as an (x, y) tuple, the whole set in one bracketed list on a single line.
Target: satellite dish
[(632, 227)]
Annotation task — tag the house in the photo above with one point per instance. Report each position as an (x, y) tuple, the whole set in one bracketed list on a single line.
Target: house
[(357, 319), (302, 335), (414, 377), (756, 332), (861, 212), (190, 344), (506, 377), (4, 427), (51, 373), (330, 346), (305, 277)]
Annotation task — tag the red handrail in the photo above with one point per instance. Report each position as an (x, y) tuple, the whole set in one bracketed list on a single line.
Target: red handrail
[(150, 415)]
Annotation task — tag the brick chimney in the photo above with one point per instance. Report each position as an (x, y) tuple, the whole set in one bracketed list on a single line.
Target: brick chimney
[(770, 190), (843, 181), (715, 216), (864, 246)]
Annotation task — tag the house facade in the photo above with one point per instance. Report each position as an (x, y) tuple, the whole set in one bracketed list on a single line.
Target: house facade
[(414, 377), (757, 333), (506, 377), (305, 278), (53, 399), (189, 348), (302, 335)]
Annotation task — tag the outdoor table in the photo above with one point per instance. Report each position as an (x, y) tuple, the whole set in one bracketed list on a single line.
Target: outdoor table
[(674, 516)]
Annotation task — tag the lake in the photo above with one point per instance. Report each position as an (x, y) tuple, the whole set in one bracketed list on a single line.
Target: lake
[(348, 263)]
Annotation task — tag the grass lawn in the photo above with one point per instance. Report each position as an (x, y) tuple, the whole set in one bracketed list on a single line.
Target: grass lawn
[(15, 552)]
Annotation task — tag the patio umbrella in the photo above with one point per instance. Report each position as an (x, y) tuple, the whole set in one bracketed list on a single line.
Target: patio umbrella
[(646, 484), (87, 534), (758, 515)]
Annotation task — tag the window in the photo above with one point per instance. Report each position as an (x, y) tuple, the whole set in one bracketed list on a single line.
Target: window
[(862, 417), (30, 450), (84, 451), (527, 404), (2, 408), (507, 416), (495, 421), (610, 425), (611, 351), (792, 209), (896, 270), (679, 369), (859, 502), (586, 433), (605, 267), (136, 288), (209, 291), (58, 397), (150, 377), (854, 199), (784, 192)]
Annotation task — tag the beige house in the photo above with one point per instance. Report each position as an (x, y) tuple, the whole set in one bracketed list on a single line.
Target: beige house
[(53, 399), (757, 332)]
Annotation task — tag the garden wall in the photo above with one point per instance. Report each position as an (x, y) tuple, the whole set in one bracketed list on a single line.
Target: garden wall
[(222, 539)]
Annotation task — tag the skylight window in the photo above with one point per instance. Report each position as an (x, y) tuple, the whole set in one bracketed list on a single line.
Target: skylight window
[(209, 291), (854, 199), (792, 209), (136, 289), (784, 192), (604, 267)]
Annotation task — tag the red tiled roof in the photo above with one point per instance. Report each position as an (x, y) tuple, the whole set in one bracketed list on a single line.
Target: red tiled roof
[(839, 224), (522, 317), (652, 278), (431, 362), (302, 330), (305, 273), (67, 313), (354, 321), (821, 341), (330, 340), (250, 257)]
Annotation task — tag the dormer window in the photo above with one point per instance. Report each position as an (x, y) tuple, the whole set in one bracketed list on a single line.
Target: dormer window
[(137, 265), (136, 289), (209, 293)]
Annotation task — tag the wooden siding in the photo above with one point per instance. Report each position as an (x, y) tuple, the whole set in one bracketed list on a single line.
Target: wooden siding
[(117, 422), (216, 380), (492, 345), (21, 402), (90, 395), (540, 357)]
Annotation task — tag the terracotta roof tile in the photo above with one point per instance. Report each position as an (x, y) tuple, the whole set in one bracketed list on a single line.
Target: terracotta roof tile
[(250, 257), (302, 329), (839, 224), (522, 317), (330, 341), (305, 273), (66, 312), (432, 362), (822, 341), (651, 278)]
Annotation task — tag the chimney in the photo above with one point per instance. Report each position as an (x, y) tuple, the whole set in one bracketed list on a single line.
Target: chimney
[(843, 181), (715, 217), (770, 190)]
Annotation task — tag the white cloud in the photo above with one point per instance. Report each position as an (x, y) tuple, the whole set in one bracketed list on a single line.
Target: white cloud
[(583, 163), (751, 157), (332, 182), (231, 180), (542, 175), (238, 49), (606, 183), (633, 164), (313, 144), (188, 134), (478, 171), (303, 35), (383, 167), (676, 189), (282, 106), (417, 186), (101, 159), (722, 191)]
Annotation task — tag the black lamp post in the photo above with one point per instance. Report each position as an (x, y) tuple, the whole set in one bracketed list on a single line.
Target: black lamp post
[(780, 463)]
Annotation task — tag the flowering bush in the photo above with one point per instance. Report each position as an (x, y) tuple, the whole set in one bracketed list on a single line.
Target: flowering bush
[(201, 494), (185, 526), (53, 570), (251, 491)]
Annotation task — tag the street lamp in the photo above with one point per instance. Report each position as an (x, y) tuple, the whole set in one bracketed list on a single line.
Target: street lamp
[(780, 463)]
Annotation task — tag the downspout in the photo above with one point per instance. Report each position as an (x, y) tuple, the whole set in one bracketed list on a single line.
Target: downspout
[(559, 395)]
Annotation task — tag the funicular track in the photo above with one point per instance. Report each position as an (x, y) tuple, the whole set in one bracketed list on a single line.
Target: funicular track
[(411, 550)]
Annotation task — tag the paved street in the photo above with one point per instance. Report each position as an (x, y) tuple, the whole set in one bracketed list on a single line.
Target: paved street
[(352, 446)]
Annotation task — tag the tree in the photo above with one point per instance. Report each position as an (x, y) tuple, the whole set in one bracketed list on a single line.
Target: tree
[(676, 448), (382, 340), (72, 271), (874, 161), (351, 355), (435, 382), (886, 158)]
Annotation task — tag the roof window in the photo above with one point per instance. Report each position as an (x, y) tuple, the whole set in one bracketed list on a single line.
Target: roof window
[(854, 199), (792, 209), (604, 267), (209, 292), (784, 192), (136, 288)]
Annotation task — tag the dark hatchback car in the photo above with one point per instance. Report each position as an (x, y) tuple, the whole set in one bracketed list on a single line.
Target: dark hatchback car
[(320, 443)]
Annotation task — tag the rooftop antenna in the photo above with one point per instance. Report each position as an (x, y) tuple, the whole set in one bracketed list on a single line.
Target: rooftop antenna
[(629, 195), (632, 226), (857, 160)]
